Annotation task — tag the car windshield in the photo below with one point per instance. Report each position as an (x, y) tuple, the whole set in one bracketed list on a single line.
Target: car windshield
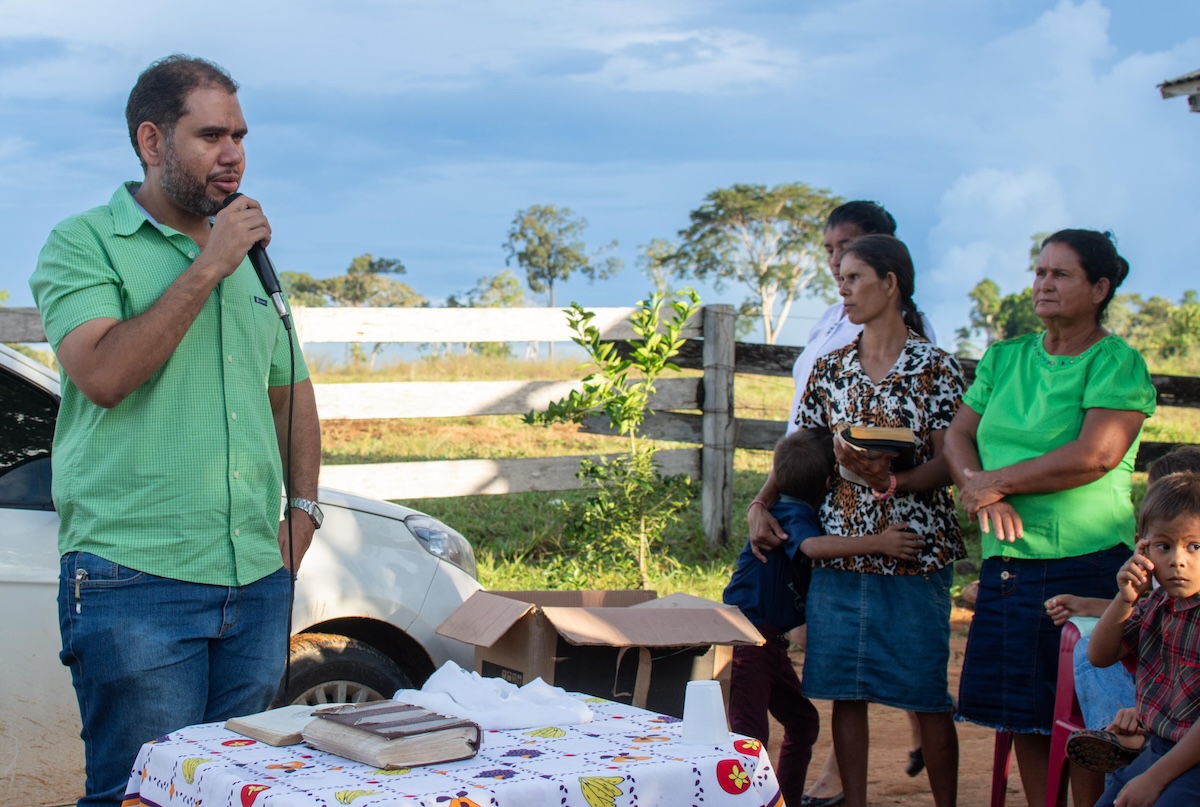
[(26, 433)]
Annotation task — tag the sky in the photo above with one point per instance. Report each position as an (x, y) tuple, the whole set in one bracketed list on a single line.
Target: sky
[(416, 129)]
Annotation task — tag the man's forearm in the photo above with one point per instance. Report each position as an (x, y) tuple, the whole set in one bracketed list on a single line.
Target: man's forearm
[(304, 462), (108, 359)]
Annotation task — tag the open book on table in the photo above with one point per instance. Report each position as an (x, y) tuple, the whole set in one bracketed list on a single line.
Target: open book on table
[(282, 726)]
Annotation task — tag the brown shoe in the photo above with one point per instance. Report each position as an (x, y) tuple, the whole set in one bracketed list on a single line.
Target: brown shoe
[(1099, 751)]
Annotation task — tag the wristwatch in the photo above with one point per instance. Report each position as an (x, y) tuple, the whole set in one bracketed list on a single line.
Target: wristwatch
[(311, 508)]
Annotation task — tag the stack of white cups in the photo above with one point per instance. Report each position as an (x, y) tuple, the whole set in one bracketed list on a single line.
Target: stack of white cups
[(704, 721)]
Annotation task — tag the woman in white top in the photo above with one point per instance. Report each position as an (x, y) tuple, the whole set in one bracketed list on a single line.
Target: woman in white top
[(832, 331)]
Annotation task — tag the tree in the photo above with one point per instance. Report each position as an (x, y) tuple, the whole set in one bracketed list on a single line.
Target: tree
[(655, 263), (630, 502), (982, 317), (996, 317), (1016, 316), (547, 242), (365, 284), (491, 291), (769, 239)]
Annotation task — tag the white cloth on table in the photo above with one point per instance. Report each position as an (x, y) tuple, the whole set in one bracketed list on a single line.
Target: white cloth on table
[(494, 703)]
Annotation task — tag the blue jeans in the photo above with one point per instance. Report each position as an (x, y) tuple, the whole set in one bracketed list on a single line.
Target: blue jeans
[(150, 655), (1101, 690), (1182, 791)]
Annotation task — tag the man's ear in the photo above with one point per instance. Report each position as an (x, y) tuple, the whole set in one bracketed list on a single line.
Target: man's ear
[(152, 143)]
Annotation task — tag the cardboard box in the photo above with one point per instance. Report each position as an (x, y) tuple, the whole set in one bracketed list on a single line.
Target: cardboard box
[(627, 646)]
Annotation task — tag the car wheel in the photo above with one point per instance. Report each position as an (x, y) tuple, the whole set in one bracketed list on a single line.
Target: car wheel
[(327, 668)]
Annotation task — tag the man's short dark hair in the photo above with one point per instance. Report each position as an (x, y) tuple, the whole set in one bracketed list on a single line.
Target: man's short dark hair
[(1183, 459), (803, 463), (160, 94), (1169, 498)]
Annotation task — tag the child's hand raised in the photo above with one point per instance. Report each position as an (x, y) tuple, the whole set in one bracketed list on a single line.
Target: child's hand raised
[(1134, 578)]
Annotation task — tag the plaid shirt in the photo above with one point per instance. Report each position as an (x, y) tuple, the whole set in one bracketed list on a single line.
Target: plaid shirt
[(1164, 635)]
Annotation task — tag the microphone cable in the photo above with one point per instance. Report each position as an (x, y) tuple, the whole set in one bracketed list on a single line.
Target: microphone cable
[(270, 283), (287, 494)]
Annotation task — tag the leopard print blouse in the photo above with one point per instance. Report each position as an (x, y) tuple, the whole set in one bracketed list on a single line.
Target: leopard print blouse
[(922, 391)]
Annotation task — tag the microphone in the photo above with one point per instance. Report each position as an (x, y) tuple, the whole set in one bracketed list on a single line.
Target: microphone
[(266, 273)]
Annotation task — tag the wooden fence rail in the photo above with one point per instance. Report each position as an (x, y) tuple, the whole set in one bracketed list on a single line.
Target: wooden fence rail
[(697, 411)]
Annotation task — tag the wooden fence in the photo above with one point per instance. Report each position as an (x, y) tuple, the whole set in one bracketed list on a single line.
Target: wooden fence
[(696, 411)]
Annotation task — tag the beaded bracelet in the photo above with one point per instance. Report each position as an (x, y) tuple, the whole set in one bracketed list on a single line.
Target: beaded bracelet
[(756, 501), (891, 490)]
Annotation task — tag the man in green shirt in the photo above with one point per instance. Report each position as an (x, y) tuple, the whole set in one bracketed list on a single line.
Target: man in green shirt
[(171, 435)]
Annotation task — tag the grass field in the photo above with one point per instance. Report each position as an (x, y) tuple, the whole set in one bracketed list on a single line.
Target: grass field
[(518, 537)]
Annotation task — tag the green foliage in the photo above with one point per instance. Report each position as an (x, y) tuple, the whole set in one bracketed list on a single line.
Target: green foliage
[(612, 390), (547, 242), (768, 239), (365, 284), (1159, 328), (630, 502), (655, 264), (1017, 316), (995, 317), (502, 290)]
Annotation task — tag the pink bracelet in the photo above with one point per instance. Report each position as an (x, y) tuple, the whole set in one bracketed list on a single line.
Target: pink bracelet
[(756, 501), (891, 490)]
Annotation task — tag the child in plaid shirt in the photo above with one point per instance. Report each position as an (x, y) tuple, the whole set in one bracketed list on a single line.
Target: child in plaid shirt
[(1162, 631)]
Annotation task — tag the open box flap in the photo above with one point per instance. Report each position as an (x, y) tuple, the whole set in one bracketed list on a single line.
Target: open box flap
[(657, 627), (484, 618)]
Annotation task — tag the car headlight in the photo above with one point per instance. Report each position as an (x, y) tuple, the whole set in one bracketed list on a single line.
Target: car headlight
[(442, 541)]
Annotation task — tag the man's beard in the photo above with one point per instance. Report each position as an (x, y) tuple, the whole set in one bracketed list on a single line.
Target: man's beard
[(184, 189)]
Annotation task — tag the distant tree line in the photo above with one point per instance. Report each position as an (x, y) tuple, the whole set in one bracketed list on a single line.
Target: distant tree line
[(1160, 329), (767, 240)]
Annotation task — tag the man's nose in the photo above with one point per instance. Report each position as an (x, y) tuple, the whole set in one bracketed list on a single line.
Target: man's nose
[(231, 153)]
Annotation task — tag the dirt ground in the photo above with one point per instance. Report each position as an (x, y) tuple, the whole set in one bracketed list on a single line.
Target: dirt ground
[(887, 783)]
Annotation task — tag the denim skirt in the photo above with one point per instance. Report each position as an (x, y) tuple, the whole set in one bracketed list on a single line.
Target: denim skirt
[(879, 638), (1010, 670)]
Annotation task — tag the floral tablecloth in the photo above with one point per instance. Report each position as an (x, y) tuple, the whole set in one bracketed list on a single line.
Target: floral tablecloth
[(625, 757)]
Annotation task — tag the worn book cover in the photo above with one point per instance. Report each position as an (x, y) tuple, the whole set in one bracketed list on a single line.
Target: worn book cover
[(282, 726), (390, 734), (899, 441)]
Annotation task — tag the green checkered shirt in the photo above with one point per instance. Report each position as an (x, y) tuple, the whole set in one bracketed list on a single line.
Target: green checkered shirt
[(182, 479)]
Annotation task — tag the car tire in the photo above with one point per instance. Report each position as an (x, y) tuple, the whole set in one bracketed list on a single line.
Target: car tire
[(328, 668)]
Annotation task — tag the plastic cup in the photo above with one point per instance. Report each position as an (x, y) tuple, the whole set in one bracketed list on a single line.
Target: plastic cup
[(704, 721)]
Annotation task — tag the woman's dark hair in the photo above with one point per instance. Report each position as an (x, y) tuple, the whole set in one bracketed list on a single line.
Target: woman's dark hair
[(1169, 498), (1183, 459), (803, 463), (160, 94), (886, 253), (870, 217), (1098, 255)]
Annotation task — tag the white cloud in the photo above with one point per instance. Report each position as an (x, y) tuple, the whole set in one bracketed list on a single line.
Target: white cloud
[(987, 219), (706, 61)]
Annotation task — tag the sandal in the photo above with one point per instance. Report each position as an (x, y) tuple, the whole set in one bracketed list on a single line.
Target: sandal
[(916, 762), (822, 801), (1099, 751)]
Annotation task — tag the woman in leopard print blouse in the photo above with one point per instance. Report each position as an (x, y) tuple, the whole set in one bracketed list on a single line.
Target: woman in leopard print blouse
[(879, 602)]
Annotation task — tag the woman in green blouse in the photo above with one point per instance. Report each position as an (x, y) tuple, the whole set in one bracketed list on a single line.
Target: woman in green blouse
[(1042, 452)]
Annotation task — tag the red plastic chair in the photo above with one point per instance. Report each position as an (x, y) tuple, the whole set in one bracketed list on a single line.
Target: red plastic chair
[(1067, 716), (1001, 759)]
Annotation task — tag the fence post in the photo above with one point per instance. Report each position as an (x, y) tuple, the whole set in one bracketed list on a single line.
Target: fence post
[(716, 456)]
